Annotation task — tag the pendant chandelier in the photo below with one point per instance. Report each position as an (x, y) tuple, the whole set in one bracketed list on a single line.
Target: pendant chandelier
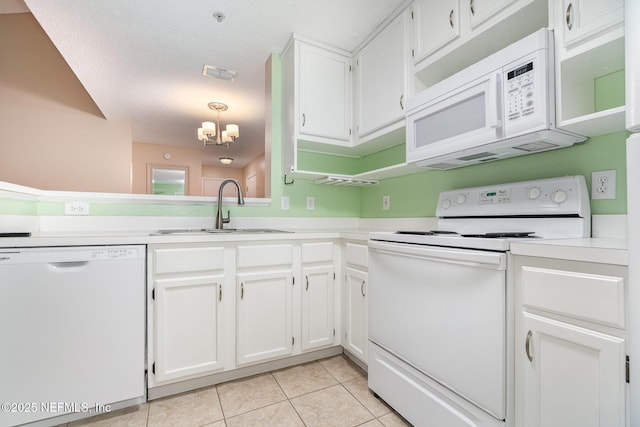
[(207, 133)]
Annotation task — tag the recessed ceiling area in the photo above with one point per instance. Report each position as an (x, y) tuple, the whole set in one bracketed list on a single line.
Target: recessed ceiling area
[(142, 62)]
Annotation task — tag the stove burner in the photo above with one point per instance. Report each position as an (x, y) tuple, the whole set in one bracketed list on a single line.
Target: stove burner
[(502, 234), (428, 233)]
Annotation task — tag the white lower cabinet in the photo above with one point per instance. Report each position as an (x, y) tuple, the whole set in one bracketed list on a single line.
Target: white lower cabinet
[(355, 336), (264, 295), (318, 321), (317, 307), (212, 309), (355, 339), (185, 312), (188, 320), (264, 315), (571, 364), (575, 376)]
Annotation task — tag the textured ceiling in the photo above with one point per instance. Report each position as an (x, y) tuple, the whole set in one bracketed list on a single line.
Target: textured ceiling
[(141, 60)]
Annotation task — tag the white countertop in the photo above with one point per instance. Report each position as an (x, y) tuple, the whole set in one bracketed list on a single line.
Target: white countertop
[(598, 250), (147, 237), (595, 250)]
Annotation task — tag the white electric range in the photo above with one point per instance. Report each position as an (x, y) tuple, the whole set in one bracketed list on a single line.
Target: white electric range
[(441, 302)]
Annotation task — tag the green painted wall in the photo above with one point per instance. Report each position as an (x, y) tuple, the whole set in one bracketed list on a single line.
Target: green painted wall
[(411, 196), (416, 195)]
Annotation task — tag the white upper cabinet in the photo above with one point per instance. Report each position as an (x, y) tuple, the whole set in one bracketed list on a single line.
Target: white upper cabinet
[(589, 44), (450, 35), (481, 10), (585, 19), (325, 93), (380, 80), (317, 92), (435, 24)]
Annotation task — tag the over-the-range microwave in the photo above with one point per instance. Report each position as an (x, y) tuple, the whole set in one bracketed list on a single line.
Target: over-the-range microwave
[(502, 106)]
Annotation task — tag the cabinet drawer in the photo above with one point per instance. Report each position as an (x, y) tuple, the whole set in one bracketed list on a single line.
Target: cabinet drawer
[(317, 252), (177, 260), (357, 254), (264, 255), (587, 296)]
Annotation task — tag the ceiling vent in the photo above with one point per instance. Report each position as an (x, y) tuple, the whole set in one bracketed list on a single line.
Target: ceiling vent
[(219, 73)]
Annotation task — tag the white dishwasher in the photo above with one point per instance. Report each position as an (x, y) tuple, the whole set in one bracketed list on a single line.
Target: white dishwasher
[(73, 332)]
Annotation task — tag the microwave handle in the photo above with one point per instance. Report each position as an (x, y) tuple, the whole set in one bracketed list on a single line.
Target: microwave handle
[(494, 113)]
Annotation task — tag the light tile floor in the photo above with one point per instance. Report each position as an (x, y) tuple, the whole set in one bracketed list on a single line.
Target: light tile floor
[(328, 392)]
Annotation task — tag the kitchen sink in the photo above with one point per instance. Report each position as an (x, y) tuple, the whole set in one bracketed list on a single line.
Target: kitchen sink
[(192, 231)]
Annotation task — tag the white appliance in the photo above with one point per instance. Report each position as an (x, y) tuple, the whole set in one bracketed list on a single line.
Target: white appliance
[(73, 339), (632, 104), (500, 107), (441, 302)]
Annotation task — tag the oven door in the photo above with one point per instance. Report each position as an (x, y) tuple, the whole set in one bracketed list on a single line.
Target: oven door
[(461, 119), (443, 312)]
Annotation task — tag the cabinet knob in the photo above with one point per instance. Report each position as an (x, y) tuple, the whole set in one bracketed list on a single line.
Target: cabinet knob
[(569, 16)]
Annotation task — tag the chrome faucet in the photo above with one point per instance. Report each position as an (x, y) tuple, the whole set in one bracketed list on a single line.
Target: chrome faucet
[(220, 219)]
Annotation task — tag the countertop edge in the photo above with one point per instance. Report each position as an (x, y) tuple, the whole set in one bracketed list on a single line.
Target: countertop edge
[(595, 250)]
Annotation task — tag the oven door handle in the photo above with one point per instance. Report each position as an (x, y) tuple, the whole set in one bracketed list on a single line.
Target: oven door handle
[(469, 257)]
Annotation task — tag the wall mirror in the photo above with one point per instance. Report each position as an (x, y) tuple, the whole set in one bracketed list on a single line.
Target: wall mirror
[(167, 180)]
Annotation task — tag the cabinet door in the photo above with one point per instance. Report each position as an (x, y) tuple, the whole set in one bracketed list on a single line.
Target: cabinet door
[(583, 19), (381, 77), (264, 315), (356, 322), (317, 307), (573, 377), (325, 93), (188, 326), (435, 24), (481, 10)]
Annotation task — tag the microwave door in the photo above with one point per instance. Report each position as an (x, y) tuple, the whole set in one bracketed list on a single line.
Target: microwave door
[(459, 120)]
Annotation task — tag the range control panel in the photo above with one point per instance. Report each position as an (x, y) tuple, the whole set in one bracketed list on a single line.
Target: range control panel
[(546, 197)]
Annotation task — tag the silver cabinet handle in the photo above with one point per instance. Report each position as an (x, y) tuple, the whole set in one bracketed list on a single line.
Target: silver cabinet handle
[(451, 17), (304, 119), (472, 7), (527, 346), (241, 290), (569, 16), (307, 280), (362, 289), (402, 102), (220, 294)]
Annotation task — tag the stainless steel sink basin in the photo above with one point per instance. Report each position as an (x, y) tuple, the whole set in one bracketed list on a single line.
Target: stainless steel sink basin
[(192, 231)]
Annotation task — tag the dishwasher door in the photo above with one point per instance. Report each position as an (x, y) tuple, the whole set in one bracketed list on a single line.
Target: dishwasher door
[(73, 338)]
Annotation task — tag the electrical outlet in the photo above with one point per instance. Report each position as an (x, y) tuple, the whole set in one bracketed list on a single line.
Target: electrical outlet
[(603, 184), (386, 203), (76, 208), (284, 203), (311, 203)]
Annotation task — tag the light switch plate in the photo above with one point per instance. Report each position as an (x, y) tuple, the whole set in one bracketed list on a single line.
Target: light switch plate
[(386, 203), (311, 203), (284, 203)]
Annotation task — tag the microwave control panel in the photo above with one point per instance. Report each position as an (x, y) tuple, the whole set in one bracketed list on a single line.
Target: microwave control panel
[(521, 92)]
